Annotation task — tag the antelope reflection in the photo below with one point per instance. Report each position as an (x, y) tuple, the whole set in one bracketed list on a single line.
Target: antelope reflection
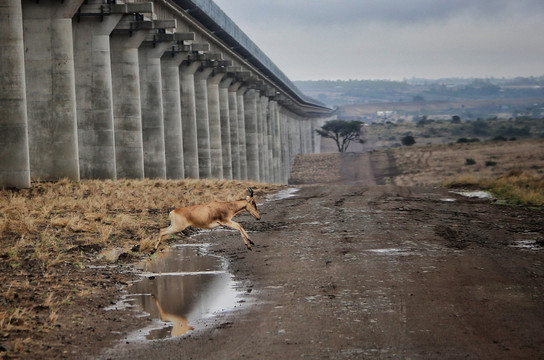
[(181, 325)]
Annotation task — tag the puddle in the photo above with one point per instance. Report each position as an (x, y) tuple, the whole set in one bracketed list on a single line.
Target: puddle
[(180, 289), (527, 245), (392, 251), (475, 194), (283, 194)]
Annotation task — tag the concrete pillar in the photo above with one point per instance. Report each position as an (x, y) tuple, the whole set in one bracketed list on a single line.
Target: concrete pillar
[(288, 150), (95, 128), (50, 88), (252, 147), (276, 142), (226, 127), (127, 112), (294, 137), (284, 158), (269, 143), (151, 103), (240, 95), (171, 101), (260, 144), (14, 160), (234, 130), (264, 151), (214, 122), (188, 118), (202, 122)]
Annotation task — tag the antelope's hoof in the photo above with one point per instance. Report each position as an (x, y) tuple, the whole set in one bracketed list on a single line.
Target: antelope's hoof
[(249, 248), (251, 242)]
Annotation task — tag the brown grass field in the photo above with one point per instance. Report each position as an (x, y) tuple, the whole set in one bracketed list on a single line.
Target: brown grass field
[(55, 235)]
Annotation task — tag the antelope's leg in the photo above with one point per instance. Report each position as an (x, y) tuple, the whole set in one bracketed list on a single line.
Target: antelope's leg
[(175, 227), (234, 225)]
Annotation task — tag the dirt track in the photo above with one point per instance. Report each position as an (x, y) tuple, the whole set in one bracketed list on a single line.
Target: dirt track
[(366, 271)]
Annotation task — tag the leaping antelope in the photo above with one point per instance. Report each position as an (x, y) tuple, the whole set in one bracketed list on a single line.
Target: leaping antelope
[(211, 215)]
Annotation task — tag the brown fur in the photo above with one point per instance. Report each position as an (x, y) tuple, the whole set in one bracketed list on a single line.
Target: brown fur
[(211, 215)]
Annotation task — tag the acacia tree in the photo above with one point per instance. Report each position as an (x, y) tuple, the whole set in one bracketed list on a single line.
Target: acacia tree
[(342, 132)]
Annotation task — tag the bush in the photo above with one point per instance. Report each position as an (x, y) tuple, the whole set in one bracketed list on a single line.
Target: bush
[(408, 140), (490, 163), (469, 140), (470, 161)]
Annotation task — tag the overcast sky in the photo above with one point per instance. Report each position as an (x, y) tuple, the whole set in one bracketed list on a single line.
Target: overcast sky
[(395, 39)]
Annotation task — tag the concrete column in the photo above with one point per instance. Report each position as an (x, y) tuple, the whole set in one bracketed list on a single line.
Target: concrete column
[(252, 147), (294, 137), (50, 88), (151, 103), (202, 122), (226, 127), (95, 127), (288, 150), (260, 143), (14, 160), (171, 101), (264, 151), (188, 118), (284, 158), (242, 131), (276, 142), (127, 112), (234, 130), (214, 122), (269, 143)]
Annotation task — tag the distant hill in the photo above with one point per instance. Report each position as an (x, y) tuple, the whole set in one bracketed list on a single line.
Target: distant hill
[(408, 100), (341, 92)]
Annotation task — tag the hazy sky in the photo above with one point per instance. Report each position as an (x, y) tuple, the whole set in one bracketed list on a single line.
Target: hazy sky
[(395, 39)]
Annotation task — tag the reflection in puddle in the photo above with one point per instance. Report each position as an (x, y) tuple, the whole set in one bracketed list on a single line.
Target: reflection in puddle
[(181, 288)]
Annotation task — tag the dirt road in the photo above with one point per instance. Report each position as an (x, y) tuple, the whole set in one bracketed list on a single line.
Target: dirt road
[(362, 271)]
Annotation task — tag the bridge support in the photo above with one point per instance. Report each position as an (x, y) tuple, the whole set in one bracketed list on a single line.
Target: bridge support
[(127, 112), (152, 108), (95, 127), (50, 88), (234, 130), (240, 94), (188, 118), (14, 160), (214, 121), (224, 114), (252, 136), (171, 95), (202, 122)]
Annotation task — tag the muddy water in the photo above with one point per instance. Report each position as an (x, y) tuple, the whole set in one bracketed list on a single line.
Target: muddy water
[(180, 289)]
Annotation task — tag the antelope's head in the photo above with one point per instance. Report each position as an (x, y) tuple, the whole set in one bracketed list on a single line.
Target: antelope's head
[(251, 206)]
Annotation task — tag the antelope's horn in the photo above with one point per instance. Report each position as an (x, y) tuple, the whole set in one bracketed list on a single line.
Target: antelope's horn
[(250, 191)]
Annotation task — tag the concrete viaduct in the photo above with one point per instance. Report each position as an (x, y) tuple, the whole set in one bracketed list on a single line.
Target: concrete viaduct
[(166, 89)]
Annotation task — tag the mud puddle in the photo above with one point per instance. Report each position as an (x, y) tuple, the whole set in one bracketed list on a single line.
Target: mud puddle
[(180, 291)]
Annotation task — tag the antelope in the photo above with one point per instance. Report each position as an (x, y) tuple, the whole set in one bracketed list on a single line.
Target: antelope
[(211, 215)]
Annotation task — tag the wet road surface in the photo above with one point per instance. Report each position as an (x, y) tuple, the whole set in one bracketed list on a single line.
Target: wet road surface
[(365, 271)]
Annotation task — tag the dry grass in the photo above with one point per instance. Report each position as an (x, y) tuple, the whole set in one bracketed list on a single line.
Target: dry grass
[(56, 228), (517, 187), (437, 164)]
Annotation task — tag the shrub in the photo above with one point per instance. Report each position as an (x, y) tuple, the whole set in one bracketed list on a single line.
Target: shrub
[(490, 163), (465, 140), (408, 140), (470, 161)]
